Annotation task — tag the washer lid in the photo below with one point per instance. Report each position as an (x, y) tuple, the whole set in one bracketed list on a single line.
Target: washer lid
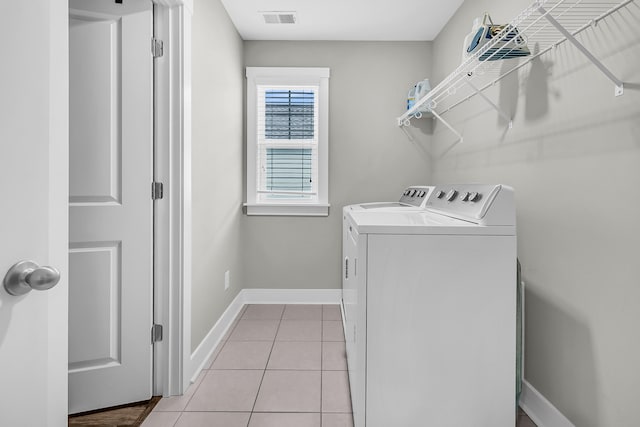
[(420, 222), (384, 206), (413, 197)]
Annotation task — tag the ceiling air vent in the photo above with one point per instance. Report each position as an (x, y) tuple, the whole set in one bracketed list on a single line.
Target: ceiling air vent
[(279, 17)]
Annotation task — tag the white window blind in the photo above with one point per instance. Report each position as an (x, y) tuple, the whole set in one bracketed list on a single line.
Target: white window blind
[(287, 152), (287, 141)]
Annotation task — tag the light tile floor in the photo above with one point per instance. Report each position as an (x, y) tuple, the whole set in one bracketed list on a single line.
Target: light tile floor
[(279, 366)]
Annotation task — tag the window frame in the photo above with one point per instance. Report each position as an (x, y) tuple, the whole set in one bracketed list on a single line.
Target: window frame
[(287, 76)]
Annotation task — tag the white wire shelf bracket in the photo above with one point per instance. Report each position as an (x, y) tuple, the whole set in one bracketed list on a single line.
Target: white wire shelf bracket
[(498, 109), (444, 122), (544, 25), (568, 36)]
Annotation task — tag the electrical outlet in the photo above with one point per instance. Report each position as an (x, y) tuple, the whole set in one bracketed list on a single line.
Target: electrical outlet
[(226, 280)]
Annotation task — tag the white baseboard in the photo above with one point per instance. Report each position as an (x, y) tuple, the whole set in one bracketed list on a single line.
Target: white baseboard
[(540, 410), (292, 296), (255, 296), (206, 348)]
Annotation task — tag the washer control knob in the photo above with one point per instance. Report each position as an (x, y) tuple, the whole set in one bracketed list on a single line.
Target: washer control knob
[(474, 197), (451, 195), (422, 193), (465, 196), (406, 192), (440, 194), (413, 193)]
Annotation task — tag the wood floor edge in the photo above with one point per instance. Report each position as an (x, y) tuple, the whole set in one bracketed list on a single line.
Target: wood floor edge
[(152, 404), (113, 415)]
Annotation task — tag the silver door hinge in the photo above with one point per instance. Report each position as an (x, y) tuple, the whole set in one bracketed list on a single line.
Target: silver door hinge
[(157, 47), (157, 190), (156, 333)]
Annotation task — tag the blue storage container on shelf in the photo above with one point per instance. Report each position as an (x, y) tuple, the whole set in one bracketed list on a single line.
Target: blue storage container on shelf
[(417, 92)]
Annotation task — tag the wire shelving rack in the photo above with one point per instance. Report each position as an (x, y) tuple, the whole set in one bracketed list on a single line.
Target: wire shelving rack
[(545, 24)]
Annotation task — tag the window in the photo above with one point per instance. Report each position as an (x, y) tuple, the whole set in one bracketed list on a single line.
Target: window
[(287, 141)]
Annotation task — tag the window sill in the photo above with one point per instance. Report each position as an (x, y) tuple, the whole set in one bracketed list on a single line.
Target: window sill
[(283, 209)]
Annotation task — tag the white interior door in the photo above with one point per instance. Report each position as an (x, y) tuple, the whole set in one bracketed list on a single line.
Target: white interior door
[(110, 206), (33, 209)]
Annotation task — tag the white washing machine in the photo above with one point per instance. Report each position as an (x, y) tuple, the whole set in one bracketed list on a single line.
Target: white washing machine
[(429, 299)]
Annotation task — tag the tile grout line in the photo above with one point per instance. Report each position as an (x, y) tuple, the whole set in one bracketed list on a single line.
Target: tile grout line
[(224, 343), (245, 308), (195, 390), (266, 365), (178, 419), (235, 323)]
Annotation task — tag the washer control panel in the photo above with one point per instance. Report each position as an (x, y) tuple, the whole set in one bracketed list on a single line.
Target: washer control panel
[(416, 195), (463, 201)]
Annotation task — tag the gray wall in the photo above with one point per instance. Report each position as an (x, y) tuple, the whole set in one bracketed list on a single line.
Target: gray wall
[(217, 172), (573, 157), (370, 158)]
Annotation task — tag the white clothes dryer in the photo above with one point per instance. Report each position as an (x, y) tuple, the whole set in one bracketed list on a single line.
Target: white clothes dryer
[(429, 298)]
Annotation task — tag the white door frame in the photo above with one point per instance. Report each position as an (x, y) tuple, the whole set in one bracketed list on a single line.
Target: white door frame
[(172, 214), (58, 357)]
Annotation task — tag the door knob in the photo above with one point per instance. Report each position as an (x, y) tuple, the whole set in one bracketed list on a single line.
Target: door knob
[(27, 275)]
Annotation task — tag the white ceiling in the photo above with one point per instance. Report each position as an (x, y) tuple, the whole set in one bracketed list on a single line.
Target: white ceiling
[(343, 19)]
